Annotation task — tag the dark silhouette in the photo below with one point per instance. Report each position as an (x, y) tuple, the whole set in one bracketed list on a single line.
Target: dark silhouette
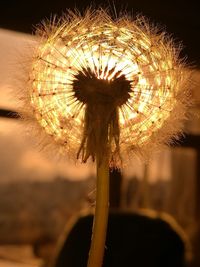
[(132, 240)]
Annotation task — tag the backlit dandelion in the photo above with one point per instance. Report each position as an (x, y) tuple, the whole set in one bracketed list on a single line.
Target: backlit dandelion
[(102, 88), (120, 69)]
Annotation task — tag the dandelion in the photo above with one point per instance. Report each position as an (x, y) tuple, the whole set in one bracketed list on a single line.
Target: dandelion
[(102, 89)]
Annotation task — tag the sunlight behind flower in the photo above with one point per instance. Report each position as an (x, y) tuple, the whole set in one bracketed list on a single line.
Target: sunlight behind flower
[(12, 45), (109, 50)]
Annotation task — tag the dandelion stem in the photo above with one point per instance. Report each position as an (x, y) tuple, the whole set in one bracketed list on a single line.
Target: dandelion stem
[(101, 213)]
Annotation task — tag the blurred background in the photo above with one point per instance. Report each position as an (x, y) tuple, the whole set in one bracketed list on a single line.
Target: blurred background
[(39, 195)]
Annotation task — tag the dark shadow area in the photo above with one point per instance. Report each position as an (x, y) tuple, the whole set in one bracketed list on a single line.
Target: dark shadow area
[(132, 240)]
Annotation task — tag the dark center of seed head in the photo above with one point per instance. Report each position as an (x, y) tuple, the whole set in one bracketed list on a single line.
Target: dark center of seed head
[(89, 89)]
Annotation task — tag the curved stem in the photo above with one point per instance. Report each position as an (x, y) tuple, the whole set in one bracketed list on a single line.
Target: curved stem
[(101, 214)]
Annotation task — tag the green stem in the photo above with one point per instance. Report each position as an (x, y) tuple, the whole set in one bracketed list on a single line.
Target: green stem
[(96, 253)]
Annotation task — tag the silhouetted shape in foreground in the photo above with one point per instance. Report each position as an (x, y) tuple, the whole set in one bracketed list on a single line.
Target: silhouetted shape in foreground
[(132, 240)]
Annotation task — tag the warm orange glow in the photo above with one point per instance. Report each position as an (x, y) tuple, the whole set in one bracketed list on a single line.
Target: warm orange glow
[(145, 60)]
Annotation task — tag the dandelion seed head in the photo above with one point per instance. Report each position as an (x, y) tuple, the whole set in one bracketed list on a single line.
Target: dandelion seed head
[(120, 68)]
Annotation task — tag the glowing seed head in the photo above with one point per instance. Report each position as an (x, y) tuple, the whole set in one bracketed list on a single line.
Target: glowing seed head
[(94, 76)]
